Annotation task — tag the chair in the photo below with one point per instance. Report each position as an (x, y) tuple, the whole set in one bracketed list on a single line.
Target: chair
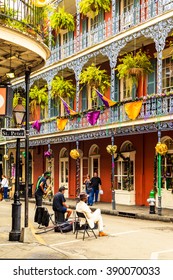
[(85, 228)]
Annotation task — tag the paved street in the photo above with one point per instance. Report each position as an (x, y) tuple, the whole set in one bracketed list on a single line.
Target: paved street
[(128, 239)]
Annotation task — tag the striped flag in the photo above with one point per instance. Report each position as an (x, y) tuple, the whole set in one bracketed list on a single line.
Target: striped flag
[(68, 108), (107, 102)]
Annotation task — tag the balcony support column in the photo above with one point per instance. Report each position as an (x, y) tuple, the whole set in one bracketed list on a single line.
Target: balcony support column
[(77, 27)]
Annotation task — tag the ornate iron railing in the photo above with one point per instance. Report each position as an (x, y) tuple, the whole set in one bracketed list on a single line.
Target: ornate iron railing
[(136, 15), (21, 15), (152, 107)]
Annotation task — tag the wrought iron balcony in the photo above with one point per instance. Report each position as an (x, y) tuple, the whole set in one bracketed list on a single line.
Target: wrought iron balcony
[(152, 107), (136, 15), (21, 15)]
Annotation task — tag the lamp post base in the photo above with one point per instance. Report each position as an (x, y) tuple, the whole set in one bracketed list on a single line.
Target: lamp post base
[(14, 234), (159, 206), (113, 200)]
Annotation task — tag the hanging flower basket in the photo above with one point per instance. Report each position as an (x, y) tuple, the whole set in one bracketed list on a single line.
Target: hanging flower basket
[(74, 154), (6, 157), (111, 149), (161, 148)]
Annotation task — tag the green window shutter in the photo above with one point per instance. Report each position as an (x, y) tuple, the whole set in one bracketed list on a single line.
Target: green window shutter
[(85, 33), (116, 92), (116, 20), (84, 99), (71, 42), (100, 24), (54, 108), (71, 102), (151, 87), (136, 11)]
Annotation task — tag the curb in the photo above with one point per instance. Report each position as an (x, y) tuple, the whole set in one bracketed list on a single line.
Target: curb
[(125, 214)]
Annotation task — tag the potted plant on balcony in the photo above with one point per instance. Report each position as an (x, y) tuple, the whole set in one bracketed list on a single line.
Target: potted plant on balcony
[(95, 78), (133, 67), (38, 99), (62, 88), (61, 20), (91, 8)]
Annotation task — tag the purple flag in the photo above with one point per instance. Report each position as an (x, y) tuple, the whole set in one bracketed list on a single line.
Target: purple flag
[(92, 117), (37, 125)]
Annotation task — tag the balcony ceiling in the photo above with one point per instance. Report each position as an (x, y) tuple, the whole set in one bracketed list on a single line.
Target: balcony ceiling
[(70, 6), (19, 52)]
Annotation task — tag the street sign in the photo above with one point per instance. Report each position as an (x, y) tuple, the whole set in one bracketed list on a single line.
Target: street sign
[(13, 132)]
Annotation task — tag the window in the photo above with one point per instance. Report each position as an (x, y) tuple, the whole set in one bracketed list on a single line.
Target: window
[(124, 167), (127, 13), (96, 27), (125, 91), (167, 165), (167, 74)]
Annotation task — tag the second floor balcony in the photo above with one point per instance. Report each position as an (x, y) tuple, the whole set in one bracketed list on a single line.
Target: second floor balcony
[(155, 108)]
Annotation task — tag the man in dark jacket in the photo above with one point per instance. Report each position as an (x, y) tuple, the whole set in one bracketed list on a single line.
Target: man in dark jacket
[(96, 186), (59, 203)]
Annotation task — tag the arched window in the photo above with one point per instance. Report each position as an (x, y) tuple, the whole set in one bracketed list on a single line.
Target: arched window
[(125, 167), (63, 153)]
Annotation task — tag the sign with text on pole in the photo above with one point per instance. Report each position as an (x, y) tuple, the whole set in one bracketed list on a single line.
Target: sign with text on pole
[(13, 132)]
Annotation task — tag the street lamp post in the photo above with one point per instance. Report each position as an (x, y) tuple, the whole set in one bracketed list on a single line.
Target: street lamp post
[(27, 81), (159, 176), (112, 176), (14, 235)]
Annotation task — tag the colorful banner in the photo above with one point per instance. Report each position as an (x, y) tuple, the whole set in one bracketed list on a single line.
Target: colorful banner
[(92, 117), (107, 102), (37, 125), (68, 108), (61, 123), (132, 109)]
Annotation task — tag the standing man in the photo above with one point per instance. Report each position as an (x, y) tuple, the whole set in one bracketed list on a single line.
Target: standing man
[(59, 204), (41, 188), (96, 185)]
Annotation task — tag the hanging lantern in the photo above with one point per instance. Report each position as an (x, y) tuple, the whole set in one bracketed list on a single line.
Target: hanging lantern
[(39, 3), (161, 148), (74, 154), (6, 157), (111, 149)]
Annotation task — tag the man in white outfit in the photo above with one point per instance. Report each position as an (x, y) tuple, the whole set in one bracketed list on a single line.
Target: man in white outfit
[(92, 217)]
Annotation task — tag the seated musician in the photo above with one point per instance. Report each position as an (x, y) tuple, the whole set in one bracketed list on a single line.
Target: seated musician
[(59, 204)]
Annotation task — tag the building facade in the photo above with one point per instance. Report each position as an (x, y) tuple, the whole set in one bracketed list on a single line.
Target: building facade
[(127, 27)]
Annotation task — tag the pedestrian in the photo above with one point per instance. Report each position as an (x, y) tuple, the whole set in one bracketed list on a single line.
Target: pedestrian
[(96, 185), (41, 187), (88, 188), (4, 186), (92, 217), (59, 204)]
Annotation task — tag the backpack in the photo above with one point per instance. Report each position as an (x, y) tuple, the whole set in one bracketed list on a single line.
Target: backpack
[(65, 227)]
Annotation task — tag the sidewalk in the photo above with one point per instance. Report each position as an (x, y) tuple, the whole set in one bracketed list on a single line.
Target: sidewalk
[(137, 212)]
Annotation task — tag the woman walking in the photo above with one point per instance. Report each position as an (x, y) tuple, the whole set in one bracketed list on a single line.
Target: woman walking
[(4, 185)]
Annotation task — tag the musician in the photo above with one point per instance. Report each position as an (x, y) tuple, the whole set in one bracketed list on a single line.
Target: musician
[(59, 203), (41, 188)]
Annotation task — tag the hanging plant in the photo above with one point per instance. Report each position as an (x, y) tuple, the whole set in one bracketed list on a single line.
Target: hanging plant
[(91, 8), (38, 96), (111, 149), (134, 66), (62, 88), (95, 77), (74, 154), (161, 148), (62, 20)]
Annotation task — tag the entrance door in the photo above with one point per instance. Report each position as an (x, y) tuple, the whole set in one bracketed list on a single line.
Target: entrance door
[(63, 173)]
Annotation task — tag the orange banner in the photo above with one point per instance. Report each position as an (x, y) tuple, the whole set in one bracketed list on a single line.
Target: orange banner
[(132, 109), (3, 92)]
